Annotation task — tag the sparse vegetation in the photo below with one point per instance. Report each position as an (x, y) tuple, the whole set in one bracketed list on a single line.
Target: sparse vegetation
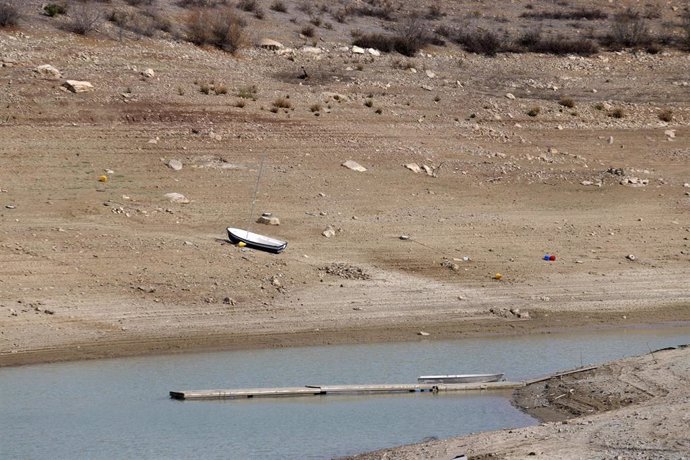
[(222, 29), (480, 41), (534, 111), (617, 113), (220, 89), (435, 11), (666, 115), (247, 5), (9, 15), (315, 108), (369, 103), (85, 19), (205, 88), (628, 30), (567, 102), (248, 92), (583, 13), (411, 37), (54, 9), (282, 103), (308, 31), (240, 104), (279, 6), (382, 9)]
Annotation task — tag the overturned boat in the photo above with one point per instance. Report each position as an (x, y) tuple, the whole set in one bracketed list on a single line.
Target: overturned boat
[(460, 378), (256, 241)]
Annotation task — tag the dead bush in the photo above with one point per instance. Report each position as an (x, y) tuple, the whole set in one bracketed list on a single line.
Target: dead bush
[(308, 31), (686, 29), (567, 102), (434, 11), (382, 9), (583, 13), (410, 38), (282, 103), (279, 6), (629, 30), (222, 29), (480, 41), (534, 111), (9, 15), (666, 115), (84, 19), (617, 113), (533, 41), (54, 9), (248, 5), (198, 3)]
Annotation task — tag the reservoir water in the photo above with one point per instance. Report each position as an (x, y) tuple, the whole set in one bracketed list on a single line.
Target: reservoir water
[(119, 408)]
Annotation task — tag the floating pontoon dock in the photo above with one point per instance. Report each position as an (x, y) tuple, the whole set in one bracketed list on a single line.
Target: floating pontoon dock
[(320, 390)]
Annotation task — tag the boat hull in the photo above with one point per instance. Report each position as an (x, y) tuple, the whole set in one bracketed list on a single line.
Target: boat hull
[(462, 378), (256, 241)]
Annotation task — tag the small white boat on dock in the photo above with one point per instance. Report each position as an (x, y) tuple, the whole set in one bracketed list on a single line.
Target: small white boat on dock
[(460, 378)]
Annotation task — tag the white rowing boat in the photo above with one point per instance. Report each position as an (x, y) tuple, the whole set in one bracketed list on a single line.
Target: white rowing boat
[(256, 241), (460, 378)]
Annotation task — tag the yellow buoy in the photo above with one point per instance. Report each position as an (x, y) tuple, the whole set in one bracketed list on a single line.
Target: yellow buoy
[(103, 178), (241, 244), (498, 276)]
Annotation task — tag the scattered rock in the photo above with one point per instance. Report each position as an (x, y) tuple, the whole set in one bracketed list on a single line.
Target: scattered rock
[(353, 165), (175, 165), (357, 50), (78, 86), (175, 197), (510, 96), (329, 232), (631, 257), (423, 334), (148, 73), (270, 44), (670, 133), (374, 52), (346, 271), (229, 301), (311, 50), (48, 71), (414, 167), (268, 219), (430, 74), (404, 237), (427, 87)]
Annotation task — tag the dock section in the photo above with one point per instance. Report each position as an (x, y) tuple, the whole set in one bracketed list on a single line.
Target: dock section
[(321, 390)]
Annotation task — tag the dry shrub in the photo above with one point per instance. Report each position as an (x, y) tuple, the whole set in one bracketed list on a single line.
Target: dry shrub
[(567, 102), (279, 6), (85, 18), (54, 9), (247, 5), (220, 28), (9, 15), (282, 103), (480, 41), (582, 13), (382, 9), (629, 29), (617, 113), (533, 41), (315, 108), (308, 31), (411, 36), (199, 3), (666, 115), (534, 111)]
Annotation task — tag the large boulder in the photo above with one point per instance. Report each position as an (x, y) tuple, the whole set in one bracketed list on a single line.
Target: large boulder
[(353, 165), (78, 86), (48, 71)]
